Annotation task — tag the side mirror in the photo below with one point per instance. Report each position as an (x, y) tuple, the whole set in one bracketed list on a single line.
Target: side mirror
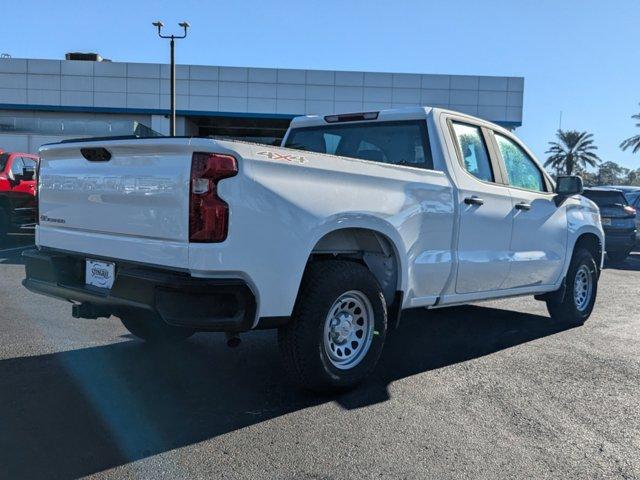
[(567, 185), (28, 174)]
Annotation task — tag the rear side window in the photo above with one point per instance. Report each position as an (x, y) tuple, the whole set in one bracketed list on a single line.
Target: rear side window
[(632, 197), (29, 162), (475, 156), (399, 143), (521, 169), (604, 198)]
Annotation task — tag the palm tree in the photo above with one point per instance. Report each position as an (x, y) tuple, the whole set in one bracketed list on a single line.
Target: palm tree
[(632, 141), (574, 150)]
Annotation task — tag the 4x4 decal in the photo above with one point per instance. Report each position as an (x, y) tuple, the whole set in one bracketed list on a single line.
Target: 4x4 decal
[(281, 156)]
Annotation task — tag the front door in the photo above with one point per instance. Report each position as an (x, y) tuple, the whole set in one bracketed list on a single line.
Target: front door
[(486, 214), (539, 238)]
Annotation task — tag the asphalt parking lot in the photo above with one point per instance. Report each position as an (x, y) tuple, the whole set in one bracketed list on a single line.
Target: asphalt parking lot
[(495, 390)]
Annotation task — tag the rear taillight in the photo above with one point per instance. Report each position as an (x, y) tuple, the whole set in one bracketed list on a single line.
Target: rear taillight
[(208, 213), (629, 210)]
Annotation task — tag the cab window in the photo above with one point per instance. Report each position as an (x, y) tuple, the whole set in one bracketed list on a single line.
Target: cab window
[(522, 171), (475, 157), (399, 143)]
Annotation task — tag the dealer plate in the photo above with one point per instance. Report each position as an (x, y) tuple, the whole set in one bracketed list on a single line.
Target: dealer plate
[(100, 274)]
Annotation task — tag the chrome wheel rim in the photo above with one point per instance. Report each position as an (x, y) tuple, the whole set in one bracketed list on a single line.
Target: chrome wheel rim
[(582, 288), (348, 330)]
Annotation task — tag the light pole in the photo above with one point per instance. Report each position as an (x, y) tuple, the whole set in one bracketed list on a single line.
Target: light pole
[(184, 25)]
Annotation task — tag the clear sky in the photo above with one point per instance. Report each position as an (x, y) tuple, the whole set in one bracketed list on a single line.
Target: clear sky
[(580, 57)]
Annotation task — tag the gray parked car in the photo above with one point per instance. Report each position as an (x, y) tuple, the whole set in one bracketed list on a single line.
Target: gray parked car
[(633, 197), (632, 194), (618, 221)]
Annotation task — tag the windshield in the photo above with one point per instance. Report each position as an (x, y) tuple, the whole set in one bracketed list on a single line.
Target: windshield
[(400, 143), (604, 198)]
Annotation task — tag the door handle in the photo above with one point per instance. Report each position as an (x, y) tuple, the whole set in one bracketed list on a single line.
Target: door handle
[(473, 200), (523, 206)]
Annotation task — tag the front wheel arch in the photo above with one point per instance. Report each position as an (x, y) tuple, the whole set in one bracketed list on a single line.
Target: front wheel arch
[(591, 243), (588, 241)]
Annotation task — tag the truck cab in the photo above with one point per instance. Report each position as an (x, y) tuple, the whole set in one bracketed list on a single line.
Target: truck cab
[(511, 228)]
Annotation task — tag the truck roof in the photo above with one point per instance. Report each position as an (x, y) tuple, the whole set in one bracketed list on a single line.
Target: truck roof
[(408, 113), (391, 114)]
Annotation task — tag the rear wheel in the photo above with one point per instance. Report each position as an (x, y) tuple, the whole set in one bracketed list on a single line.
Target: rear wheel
[(581, 290), (151, 328), (338, 327)]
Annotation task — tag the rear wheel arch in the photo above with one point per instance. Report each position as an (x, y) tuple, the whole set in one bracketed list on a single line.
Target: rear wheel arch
[(369, 247)]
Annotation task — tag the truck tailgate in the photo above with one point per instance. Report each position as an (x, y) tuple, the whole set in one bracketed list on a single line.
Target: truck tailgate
[(141, 194)]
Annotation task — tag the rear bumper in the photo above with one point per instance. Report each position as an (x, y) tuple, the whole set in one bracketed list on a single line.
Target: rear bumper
[(224, 305), (619, 240)]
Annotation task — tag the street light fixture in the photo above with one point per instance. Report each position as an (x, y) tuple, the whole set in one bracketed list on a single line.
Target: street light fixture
[(172, 38)]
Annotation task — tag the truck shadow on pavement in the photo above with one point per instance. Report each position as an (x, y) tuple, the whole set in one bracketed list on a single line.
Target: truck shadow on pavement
[(12, 246), (73, 413)]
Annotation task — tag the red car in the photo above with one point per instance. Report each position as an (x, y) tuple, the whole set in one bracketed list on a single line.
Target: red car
[(18, 206)]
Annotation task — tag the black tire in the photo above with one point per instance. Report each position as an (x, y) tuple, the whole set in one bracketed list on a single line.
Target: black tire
[(302, 341), (567, 309), (618, 255), (151, 328)]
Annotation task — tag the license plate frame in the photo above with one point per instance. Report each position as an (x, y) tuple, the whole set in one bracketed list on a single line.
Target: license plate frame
[(606, 221), (99, 273)]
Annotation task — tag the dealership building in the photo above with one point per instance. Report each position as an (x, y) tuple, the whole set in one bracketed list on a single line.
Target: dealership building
[(44, 101)]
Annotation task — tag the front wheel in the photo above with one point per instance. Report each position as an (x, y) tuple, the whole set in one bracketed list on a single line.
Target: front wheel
[(338, 327), (581, 289)]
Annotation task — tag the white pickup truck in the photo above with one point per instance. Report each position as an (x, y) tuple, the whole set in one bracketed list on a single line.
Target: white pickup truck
[(328, 238)]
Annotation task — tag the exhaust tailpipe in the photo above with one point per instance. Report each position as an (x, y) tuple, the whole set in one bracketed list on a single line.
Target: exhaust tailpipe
[(233, 339)]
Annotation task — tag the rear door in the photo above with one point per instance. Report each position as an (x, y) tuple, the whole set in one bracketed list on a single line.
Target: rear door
[(539, 238), (486, 212)]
